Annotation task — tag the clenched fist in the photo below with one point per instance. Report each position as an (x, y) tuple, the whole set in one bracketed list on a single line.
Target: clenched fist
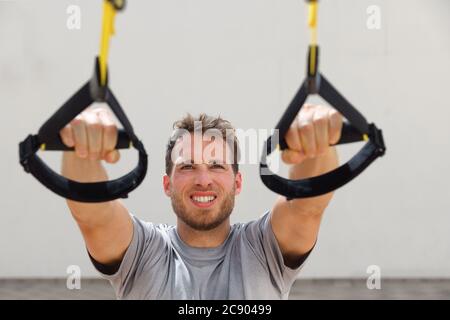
[(312, 132), (94, 134)]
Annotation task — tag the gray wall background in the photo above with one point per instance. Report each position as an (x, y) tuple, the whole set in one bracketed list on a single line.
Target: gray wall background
[(242, 59)]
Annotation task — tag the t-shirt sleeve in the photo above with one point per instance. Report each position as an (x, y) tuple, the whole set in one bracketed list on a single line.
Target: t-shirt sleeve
[(147, 248), (265, 246)]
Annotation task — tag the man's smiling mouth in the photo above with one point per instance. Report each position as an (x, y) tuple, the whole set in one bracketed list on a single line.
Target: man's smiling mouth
[(203, 199)]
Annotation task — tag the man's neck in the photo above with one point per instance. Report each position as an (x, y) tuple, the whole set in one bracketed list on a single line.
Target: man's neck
[(203, 239)]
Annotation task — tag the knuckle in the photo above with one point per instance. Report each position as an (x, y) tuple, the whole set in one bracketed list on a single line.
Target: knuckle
[(321, 121), (80, 144), (306, 127), (64, 131), (321, 149), (334, 139), (325, 108), (311, 150), (336, 116), (95, 126), (95, 147), (333, 112), (88, 112), (110, 129), (77, 121)]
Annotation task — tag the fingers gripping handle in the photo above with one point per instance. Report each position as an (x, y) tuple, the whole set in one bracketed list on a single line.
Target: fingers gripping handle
[(349, 134), (56, 144)]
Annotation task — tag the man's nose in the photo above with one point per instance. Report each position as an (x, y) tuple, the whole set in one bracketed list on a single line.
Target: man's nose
[(202, 176)]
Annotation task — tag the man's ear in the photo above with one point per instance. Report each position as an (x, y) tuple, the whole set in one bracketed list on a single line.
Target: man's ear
[(238, 183), (166, 185)]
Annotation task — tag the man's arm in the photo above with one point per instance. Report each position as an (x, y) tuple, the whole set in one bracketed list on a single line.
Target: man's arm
[(296, 222), (106, 227)]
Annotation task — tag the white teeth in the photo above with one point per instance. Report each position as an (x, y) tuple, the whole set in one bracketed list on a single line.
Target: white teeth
[(204, 199)]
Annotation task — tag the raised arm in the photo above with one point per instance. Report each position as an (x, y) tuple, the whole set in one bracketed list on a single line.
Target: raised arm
[(296, 222), (106, 227)]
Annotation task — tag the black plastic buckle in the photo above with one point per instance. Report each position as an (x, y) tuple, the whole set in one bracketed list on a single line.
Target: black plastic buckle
[(376, 136), (118, 4), (28, 148)]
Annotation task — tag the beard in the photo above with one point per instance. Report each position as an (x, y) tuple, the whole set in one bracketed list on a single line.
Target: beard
[(203, 219)]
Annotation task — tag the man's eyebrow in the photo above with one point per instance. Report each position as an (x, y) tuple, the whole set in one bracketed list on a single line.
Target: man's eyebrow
[(185, 162), (216, 161)]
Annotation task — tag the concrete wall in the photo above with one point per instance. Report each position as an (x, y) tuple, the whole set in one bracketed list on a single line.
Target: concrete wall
[(243, 59)]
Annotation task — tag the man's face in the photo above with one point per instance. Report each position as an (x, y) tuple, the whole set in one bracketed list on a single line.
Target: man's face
[(202, 185)]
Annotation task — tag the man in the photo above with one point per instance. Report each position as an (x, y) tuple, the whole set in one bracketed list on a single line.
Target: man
[(203, 257)]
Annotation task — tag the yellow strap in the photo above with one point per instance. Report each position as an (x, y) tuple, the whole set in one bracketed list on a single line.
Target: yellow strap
[(109, 13), (312, 60), (312, 20), (312, 14), (312, 24)]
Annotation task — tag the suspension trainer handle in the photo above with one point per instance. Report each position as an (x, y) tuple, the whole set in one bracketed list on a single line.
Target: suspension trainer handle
[(355, 129), (48, 135)]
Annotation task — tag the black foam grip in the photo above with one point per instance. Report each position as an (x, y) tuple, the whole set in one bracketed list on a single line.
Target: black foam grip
[(349, 134), (56, 144)]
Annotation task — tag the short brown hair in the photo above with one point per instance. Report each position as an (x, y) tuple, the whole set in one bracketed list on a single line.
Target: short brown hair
[(189, 123)]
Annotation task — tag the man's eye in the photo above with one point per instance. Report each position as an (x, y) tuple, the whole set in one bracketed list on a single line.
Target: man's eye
[(217, 166), (186, 167)]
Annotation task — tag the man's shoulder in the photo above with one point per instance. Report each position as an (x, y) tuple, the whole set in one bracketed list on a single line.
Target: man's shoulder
[(252, 228), (260, 220), (152, 227)]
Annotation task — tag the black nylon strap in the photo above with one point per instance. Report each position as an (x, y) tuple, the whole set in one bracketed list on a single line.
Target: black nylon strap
[(311, 187), (291, 112), (69, 110), (334, 98), (86, 192), (120, 114)]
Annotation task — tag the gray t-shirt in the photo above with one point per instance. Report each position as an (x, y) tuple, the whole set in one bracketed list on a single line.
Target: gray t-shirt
[(159, 265)]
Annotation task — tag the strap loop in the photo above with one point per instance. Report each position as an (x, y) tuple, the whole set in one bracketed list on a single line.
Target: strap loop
[(48, 135)]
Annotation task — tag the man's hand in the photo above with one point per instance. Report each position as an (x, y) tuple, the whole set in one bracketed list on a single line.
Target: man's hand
[(312, 132), (93, 134)]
